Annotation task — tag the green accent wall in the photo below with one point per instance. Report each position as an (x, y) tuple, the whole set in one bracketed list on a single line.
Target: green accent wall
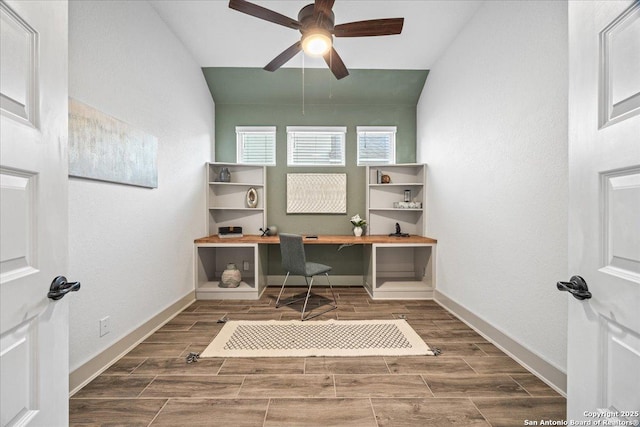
[(253, 97), (362, 87)]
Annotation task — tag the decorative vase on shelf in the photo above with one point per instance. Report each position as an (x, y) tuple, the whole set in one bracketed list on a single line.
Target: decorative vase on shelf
[(357, 231), (252, 197), (225, 175), (231, 277)]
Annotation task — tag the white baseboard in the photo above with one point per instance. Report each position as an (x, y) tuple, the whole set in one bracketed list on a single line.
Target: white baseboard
[(336, 280), (94, 367), (544, 370)]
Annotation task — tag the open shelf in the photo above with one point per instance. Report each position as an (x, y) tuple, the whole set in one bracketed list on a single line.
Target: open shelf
[(402, 290), (215, 286), (212, 259), (397, 209), (211, 290), (240, 174), (398, 271), (227, 201), (237, 184), (383, 221), (396, 184), (223, 208)]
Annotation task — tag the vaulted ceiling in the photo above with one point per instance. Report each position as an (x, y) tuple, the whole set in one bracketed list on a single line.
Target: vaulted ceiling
[(221, 37)]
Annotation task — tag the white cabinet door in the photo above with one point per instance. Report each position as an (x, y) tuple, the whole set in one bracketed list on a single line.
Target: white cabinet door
[(604, 213), (34, 330)]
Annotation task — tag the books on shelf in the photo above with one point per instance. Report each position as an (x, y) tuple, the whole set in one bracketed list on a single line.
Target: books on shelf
[(230, 235), (229, 232)]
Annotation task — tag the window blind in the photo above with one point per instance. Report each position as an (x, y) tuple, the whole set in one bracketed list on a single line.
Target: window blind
[(376, 145), (256, 145), (316, 146)]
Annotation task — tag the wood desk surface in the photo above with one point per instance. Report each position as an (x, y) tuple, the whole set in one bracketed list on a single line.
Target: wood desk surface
[(321, 240)]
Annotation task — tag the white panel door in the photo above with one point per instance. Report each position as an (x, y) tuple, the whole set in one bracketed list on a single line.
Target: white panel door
[(604, 213), (34, 330)]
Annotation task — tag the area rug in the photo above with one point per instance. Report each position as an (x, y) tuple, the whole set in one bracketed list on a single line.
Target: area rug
[(295, 338)]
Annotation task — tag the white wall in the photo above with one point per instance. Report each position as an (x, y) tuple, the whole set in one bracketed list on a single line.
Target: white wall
[(492, 125), (131, 247)]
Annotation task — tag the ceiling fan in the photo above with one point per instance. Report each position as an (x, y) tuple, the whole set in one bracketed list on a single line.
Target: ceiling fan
[(316, 23)]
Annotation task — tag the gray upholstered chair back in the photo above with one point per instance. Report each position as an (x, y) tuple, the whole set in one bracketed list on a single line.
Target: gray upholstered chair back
[(292, 251)]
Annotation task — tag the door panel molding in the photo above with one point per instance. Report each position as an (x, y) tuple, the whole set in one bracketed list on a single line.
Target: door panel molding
[(620, 200), (619, 67), (19, 374), (621, 347), (18, 231), (19, 85)]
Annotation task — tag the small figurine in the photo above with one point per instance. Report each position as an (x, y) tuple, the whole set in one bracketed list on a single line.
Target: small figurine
[(398, 232)]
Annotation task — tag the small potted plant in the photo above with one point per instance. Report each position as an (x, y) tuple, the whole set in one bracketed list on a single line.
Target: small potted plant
[(358, 223)]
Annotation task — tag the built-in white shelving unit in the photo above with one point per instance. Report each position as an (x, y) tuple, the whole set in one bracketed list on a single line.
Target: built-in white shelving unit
[(227, 207), (398, 270), (227, 201), (382, 216)]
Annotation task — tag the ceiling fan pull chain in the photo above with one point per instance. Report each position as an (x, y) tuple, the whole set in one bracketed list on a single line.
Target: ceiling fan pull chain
[(303, 84), (330, 68)]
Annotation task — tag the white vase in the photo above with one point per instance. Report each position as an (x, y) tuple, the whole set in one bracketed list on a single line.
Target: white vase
[(231, 277), (357, 231)]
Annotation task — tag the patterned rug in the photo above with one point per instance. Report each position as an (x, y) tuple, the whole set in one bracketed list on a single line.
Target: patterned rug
[(294, 338)]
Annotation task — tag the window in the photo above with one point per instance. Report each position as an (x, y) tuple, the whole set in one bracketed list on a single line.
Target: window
[(315, 146), (376, 145), (256, 145)]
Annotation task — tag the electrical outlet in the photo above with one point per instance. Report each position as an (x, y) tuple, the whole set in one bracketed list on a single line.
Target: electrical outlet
[(105, 326), (245, 265)]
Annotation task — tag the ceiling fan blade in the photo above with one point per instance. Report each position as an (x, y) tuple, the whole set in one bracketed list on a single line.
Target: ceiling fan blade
[(336, 65), (322, 10), (285, 56), (263, 13), (374, 27)]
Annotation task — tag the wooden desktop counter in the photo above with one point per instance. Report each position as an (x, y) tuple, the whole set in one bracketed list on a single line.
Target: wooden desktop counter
[(394, 267), (320, 240)]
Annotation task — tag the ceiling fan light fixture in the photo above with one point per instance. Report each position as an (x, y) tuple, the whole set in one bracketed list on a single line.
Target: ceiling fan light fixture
[(317, 42)]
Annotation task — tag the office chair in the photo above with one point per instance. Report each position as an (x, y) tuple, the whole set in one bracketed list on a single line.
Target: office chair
[(295, 262)]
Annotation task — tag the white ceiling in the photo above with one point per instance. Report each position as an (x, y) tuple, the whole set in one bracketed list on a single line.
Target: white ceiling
[(221, 37)]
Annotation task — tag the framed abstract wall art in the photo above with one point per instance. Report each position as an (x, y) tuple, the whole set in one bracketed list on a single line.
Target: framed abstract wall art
[(103, 148)]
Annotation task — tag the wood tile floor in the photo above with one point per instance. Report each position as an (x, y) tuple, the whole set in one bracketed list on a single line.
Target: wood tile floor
[(472, 383)]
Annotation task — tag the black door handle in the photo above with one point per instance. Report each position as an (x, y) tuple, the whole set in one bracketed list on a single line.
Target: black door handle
[(60, 287), (577, 286)]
